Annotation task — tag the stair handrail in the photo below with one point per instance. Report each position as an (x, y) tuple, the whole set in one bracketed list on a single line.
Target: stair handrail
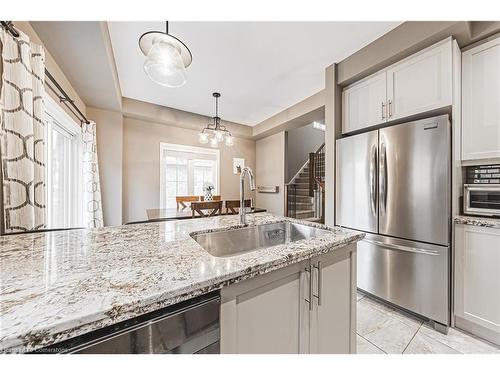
[(298, 172), (313, 178)]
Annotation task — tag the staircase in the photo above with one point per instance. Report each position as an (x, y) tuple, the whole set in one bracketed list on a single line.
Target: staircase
[(299, 197), (303, 189)]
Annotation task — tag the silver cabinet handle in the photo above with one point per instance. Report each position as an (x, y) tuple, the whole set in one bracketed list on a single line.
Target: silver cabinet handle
[(320, 281), (310, 301), (389, 105), (383, 111)]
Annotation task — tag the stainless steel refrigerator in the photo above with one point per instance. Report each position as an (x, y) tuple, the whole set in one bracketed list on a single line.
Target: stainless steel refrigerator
[(395, 184)]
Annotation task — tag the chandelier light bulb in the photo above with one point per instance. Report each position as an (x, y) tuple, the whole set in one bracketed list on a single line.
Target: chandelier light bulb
[(213, 142), (203, 138), (229, 141), (219, 136)]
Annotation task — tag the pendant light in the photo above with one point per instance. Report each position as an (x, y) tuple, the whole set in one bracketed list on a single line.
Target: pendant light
[(166, 58), (216, 133)]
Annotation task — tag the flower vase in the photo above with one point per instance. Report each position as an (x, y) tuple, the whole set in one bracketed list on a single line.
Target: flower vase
[(208, 195)]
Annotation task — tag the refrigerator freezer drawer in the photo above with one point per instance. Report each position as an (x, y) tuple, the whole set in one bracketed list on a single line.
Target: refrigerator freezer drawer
[(409, 274)]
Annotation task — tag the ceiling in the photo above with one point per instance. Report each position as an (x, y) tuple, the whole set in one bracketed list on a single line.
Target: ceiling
[(260, 68), (81, 52)]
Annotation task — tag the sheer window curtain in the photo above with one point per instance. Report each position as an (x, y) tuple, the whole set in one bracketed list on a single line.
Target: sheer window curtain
[(22, 133), (92, 205)]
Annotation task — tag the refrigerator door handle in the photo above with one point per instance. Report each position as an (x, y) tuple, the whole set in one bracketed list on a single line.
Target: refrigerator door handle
[(401, 247), (373, 180), (383, 177)]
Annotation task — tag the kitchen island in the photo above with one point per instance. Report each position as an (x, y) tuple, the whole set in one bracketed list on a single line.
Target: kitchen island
[(60, 285)]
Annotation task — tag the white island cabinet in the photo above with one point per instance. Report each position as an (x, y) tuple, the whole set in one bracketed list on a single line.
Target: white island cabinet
[(477, 281), (282, 312), (481, 101)]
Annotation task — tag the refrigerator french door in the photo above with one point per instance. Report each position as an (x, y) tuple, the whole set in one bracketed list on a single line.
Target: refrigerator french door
[(395, 184)]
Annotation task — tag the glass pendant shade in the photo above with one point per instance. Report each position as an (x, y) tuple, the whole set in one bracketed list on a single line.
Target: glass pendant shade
[(213, 142), (229, 141), (219, 136), (164, 65)]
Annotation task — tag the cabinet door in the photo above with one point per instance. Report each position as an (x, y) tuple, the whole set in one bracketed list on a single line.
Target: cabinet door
[(421, 83), (363, 104), (481, 101), (333, 318), (477, 280), (267, 314)]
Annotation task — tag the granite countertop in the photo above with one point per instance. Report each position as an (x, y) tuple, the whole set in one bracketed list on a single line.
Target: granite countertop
[(478, 221), (59, 285)]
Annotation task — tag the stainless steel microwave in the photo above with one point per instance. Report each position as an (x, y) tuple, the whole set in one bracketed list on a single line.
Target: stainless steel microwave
[(482, 199)]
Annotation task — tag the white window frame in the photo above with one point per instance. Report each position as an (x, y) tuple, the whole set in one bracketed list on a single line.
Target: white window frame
[(184, 148), (65, 122)]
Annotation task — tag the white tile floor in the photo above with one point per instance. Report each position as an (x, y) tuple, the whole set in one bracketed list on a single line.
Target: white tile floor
[(383, 329)]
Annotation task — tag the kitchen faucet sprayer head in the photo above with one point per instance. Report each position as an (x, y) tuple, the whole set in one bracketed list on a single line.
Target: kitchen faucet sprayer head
[(251, 178)]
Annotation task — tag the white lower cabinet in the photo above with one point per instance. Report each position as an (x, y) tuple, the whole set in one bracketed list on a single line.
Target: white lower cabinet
[(330, 319), (477, 281), (271, 313)]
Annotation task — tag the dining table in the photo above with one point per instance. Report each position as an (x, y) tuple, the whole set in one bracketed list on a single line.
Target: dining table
[(185, 213)]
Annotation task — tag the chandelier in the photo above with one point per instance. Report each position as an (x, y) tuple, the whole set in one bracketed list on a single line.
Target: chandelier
[(215, 132)]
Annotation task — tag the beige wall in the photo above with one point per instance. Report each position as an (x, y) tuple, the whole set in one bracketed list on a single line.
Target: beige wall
[(270, 171), (297, 115), (141, 163), (109, 127)]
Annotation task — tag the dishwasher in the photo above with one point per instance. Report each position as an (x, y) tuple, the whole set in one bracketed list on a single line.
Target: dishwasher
[(190, 327)]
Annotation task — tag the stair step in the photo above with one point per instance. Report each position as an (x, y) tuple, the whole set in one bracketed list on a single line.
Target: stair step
[(313, 219), (299, 180), (302, 192), (300, 199), (303, 214), (302, 186), (302, 206)]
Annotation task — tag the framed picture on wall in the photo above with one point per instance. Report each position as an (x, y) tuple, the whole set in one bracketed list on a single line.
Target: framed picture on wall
[(238, 165)]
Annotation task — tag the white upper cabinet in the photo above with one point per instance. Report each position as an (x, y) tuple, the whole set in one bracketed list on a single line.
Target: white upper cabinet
[(421, 83), (417, 84), (481, 101), (364, 103)]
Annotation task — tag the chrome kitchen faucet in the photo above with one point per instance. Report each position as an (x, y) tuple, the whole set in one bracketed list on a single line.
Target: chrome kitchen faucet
[(245, 171)]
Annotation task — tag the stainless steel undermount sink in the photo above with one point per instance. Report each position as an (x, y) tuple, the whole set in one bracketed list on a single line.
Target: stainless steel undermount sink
[(236, 241)]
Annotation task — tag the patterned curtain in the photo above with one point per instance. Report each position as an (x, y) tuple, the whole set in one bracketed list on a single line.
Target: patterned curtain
[(22, 133), (92, 207)]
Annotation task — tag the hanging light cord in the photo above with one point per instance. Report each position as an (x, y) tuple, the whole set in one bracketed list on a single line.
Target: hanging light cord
[(166, 27), (216, 106)]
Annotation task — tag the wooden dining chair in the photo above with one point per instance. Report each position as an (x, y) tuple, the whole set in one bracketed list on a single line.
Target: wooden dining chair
[(181, 200), (231, 205), (214, 197), (214, 206)]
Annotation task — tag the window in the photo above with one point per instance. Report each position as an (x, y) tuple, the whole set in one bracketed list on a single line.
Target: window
[(319, 126), (184, 170), (63, 195)]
